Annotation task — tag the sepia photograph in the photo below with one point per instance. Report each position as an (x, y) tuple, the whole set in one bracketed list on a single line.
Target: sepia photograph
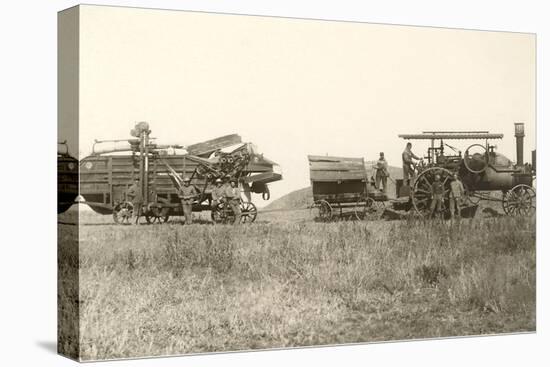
[(236, 182)]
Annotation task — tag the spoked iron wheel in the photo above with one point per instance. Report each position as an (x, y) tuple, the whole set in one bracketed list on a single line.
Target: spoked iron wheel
[(361, 207), (157, 215), (218, 215), (248, 212), (368, 209), (422, 189), (521, 200), (322, 210), (223, 214), (123, 213)]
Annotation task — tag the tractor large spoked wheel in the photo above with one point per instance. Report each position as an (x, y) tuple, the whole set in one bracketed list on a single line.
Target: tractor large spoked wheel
[(521, 200), (248, 212), (123, 213), (322, 210), (422, 189), (157, 215)]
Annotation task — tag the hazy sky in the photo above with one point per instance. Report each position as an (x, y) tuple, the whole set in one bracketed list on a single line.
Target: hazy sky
[(298, 87)]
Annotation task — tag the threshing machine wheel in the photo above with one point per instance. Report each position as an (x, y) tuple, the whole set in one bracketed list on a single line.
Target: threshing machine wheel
[(157, 215), (520, 200), (123, 213), (219, 214), (422, 189), (322, 210), (248, 212), (223, 214), (476, 162)]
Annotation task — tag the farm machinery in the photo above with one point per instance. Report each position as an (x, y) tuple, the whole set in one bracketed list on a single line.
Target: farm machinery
[(342, 189), (107, 174), (340, 185), (485, 173)]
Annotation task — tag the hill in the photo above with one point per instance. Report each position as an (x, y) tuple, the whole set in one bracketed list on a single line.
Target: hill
[(302, 198), (297, 199)]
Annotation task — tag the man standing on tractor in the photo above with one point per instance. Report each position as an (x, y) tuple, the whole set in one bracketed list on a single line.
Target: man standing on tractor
[(134, 196), (187, 194), (456, 195), (408, 170), (437, 196), (232, 195), (382, 173)]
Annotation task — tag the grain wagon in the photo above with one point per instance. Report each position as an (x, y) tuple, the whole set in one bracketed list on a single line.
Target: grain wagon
[(342, 189)]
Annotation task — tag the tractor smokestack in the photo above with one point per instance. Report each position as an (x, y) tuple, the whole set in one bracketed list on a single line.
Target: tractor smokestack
[(519, 133)]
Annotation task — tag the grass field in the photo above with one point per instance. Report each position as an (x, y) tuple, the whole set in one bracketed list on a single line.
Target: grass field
[(169, 289)]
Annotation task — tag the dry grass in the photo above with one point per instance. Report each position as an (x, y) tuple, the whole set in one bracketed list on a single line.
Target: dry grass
[(169, 289)]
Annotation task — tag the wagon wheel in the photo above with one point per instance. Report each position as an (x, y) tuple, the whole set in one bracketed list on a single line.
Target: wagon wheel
[(123, 213), (248, 212), (323, 210), (361, 207), (378, 208), (521, 200), (422, 189), (157, 215), (368, 209), (476, 162)]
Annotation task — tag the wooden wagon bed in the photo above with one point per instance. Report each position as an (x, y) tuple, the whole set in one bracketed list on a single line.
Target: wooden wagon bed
[(341, 185), (337, 179)]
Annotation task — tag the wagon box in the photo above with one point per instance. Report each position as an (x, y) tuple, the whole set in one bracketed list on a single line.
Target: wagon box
[(340, 185)]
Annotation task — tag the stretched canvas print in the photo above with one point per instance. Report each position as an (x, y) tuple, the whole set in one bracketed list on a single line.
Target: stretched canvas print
[(232, 183)]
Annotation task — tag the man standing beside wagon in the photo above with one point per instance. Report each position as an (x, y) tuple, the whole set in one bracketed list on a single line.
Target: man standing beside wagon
[(382, 173), (187, 194)]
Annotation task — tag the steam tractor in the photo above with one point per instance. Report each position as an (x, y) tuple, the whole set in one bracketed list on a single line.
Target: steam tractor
[(106, 175), (482, 170)]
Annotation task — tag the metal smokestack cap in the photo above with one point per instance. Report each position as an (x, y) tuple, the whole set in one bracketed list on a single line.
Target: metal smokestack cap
[(519, 129)]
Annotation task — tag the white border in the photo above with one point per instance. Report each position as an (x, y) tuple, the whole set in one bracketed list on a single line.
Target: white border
[(28, 238)]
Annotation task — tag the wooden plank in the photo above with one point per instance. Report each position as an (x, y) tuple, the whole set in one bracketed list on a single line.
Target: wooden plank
[(322, 158), (336, 166), (337, 175), (210, 146)]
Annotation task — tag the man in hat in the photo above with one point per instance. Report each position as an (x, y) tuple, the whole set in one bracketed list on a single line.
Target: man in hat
[(407, 157), (217, 193), (187, 194), (134, 196), (456, 195), (437, 195), (232, 195), (382, 173)]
